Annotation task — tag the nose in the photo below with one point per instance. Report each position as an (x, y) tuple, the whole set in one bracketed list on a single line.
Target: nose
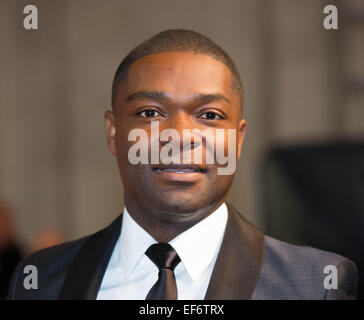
[(181, 121)]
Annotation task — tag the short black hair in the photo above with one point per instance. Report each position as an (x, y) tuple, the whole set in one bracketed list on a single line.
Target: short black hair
[(177, 40)]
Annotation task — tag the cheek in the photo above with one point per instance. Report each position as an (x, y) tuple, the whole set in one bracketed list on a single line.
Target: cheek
[(121, 139), (126, 169), (225, 183), (226, 141)]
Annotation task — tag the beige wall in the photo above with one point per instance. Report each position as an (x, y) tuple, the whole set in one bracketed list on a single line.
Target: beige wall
[(55, 85)]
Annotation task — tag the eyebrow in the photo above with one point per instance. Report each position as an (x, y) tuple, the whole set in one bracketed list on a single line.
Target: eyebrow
[(159, 95), (148, 95)]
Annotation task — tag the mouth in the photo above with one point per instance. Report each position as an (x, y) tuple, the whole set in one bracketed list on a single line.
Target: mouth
[(180, 168), (180, 173)]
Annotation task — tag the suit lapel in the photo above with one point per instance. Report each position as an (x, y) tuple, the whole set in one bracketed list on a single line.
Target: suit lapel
[(239, 261), (86, 272)]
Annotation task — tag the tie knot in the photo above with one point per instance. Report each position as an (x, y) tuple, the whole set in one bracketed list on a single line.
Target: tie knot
[(163, 255)]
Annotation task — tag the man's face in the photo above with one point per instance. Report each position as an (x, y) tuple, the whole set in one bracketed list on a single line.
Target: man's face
[(180, 91)]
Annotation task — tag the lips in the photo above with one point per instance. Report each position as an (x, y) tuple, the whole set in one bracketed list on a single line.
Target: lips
[(180, 168), (182, 175)]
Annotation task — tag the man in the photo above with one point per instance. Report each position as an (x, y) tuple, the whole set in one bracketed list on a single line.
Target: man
[(177, 238)]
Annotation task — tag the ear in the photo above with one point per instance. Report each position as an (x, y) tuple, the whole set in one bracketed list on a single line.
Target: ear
[(241, 135), (110, 127)]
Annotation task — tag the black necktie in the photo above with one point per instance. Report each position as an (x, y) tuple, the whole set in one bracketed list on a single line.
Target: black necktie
[(166, 259)]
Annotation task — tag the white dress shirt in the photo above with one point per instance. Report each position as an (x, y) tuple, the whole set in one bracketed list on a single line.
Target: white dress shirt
[(130, 274)]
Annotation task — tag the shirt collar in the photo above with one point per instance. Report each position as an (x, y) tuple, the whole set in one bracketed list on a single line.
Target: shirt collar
[(134, 241), (204, 237)]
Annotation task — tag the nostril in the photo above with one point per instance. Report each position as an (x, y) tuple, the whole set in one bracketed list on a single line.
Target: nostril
[(191, 145)]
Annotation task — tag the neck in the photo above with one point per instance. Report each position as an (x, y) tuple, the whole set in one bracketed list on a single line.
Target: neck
[(161, 229)]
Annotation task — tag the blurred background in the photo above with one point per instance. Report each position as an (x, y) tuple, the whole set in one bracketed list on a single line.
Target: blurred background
[(301, 175)]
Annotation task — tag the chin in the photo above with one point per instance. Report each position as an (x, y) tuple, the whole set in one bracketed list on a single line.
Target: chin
[(181, 203)]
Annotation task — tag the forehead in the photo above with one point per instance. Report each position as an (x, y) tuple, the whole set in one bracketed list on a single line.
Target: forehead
[(180, 74)]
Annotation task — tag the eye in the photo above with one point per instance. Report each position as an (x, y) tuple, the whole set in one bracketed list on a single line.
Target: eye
[(211, 116), (149, 113)]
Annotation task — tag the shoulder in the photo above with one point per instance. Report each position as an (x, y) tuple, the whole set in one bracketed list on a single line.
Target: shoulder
[(298, 272), (283, 253), (50, 266)]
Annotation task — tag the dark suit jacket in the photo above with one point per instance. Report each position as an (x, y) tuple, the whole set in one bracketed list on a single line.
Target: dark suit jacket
[(249, 266)]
